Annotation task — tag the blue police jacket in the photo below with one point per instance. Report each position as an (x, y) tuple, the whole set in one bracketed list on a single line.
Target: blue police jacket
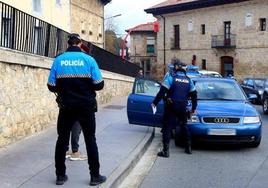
[(179, 86), (75, 76)]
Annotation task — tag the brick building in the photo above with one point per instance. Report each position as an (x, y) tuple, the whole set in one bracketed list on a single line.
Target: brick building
[(219, 35)]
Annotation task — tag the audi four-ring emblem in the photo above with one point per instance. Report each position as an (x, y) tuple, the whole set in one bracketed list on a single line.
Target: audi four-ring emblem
[(221, 120)]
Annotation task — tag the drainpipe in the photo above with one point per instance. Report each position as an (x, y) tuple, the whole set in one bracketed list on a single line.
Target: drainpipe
[(103, 30), (164, 42), (70, 16)]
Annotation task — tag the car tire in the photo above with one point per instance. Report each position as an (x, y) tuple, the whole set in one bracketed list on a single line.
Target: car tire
[(178, 139), (265, 106)]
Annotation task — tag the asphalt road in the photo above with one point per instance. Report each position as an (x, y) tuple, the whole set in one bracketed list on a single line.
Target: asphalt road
[(208, 167)]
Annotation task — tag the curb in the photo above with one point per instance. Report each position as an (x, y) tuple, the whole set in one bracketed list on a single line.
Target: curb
[(119, 174)]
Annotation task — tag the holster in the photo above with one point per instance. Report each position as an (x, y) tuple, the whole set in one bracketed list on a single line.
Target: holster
[(169, 101), (188, 114), (95, 105), (59, 102)]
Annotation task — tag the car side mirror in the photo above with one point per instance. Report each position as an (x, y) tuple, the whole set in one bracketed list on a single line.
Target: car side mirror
[(252, 97)]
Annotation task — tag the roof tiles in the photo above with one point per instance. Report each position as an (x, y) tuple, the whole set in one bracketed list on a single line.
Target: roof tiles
[(172, 2), (143, 27)]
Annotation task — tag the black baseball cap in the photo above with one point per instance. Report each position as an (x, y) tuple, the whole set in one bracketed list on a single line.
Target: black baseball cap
[(177, 62), (74, 36)]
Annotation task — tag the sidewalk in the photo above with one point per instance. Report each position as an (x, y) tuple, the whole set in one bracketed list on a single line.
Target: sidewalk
[(30, 162)]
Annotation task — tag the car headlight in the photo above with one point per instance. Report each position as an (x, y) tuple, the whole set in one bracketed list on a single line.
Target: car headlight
[(194, 119), (260, 92), (254, 119)]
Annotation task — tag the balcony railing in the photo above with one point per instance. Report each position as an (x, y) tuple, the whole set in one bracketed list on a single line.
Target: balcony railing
[(223, 41), (25, 33)]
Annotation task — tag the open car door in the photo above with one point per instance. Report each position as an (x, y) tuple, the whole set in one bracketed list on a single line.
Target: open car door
[(139, 110)]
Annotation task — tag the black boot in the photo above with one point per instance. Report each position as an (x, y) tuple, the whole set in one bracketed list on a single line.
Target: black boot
[(164, 152), (96, 180), (61, 179), (188, 148)]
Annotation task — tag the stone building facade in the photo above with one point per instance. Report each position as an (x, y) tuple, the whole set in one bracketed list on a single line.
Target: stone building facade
[(87, 19), (55, 12), (143, 47), (26, 105), (224, 36)]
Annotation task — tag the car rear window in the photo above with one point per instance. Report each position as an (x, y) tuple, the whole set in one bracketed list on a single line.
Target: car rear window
[(146, 87)]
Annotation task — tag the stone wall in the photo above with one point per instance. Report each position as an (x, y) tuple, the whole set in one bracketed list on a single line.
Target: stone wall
[(251, 52), (26, 105)]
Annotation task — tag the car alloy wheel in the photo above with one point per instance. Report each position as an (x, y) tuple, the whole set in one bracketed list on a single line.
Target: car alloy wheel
[(265, 106)]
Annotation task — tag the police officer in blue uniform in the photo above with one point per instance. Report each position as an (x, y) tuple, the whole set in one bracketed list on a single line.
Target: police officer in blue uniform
[(75, 76), (178, 88), (165, 98), (171, 72)]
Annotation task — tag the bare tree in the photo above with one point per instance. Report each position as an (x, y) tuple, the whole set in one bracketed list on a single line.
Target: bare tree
[(110, 25), (112, 41)]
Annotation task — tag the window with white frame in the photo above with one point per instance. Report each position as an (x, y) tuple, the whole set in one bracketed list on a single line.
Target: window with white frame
[(190, 26), (37, 6), (58, 3), (248, 19), (150, 44)]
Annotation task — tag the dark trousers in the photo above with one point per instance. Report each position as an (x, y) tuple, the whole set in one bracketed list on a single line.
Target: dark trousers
[(176, 114), (66, 119), (75, 134)]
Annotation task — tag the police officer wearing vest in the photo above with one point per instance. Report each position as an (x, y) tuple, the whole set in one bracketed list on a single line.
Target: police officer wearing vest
[(178, 88), (171, 73), (75, 76)]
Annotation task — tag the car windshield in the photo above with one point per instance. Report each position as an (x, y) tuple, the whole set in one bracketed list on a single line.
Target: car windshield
[(218, 90), (259, 83)]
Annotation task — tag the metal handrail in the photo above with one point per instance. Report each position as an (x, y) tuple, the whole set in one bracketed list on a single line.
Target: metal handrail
[(223, 41)]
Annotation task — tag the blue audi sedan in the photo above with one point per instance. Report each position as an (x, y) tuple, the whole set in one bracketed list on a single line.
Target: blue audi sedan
[(224, 113)]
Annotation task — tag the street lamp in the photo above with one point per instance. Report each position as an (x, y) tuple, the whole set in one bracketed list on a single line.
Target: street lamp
[(113, 16)]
